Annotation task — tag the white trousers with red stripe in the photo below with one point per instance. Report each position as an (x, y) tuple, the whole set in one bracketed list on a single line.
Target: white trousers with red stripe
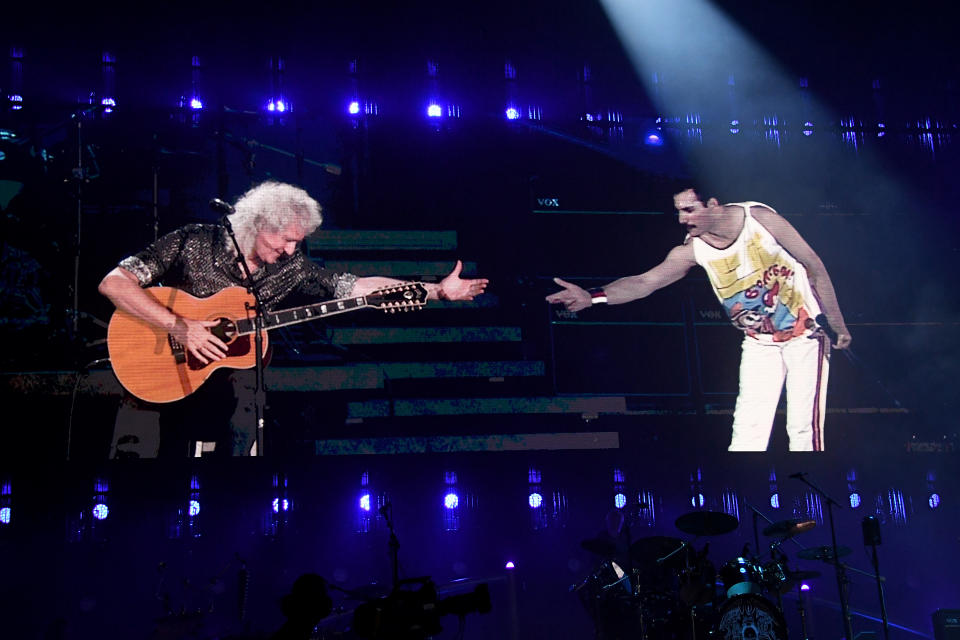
[(804, 363)]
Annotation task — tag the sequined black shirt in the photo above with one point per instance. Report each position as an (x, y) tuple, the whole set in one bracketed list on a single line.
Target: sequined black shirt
[(196, 258)]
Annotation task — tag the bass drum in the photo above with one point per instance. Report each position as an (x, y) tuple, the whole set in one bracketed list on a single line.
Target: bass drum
[(750, 617)]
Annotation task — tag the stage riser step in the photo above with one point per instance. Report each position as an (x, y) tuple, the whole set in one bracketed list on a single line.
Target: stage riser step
[(407, 269), (464, 444), (380, 240), (333, 378), (405, 335)]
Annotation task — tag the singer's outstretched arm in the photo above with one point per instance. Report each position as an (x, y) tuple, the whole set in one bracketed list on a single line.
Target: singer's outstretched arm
[(676, 265)]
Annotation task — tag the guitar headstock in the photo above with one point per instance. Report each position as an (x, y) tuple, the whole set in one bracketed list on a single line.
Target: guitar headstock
[(402, 297)]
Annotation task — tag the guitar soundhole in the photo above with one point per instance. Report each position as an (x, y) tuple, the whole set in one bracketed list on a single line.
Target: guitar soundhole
[(226, 330)]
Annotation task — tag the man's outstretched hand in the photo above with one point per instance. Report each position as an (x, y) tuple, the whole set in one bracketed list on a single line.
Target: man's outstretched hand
[(572, 297), (453, 287)]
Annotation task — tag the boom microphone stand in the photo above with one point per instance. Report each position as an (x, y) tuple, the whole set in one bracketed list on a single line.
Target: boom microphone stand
[(837, 565), (260, 394)]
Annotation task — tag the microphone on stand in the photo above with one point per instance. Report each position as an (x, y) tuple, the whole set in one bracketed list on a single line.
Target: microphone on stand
[(224, 209)]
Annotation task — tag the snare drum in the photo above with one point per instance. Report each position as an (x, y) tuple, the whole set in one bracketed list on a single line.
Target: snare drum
[(741, 576)]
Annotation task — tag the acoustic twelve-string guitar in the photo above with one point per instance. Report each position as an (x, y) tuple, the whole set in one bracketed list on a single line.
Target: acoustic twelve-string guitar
[(155, 367)]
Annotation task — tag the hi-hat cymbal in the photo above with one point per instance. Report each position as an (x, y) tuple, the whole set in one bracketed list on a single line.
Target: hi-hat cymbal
[(599, 546), (789, 528), (823, 553), (707, 523)]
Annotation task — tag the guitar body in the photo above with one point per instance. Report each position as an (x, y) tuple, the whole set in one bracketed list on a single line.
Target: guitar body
[(147, 362)]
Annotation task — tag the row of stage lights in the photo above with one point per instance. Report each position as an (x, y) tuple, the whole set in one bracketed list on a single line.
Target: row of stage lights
[(931, 132), (546, 508)]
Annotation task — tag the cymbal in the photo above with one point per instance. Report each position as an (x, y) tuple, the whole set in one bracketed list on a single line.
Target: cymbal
[(599, 546), (789, 528), (823, 553), (707, 523), (649, 550)]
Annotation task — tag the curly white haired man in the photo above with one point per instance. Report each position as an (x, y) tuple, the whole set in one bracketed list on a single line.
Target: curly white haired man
[(270, 222)]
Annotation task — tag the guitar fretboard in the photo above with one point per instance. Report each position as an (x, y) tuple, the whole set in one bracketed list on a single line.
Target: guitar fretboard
[(274, 319)]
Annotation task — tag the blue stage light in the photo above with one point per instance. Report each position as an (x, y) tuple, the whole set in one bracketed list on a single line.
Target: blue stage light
[(100, 511), (353, 108), (194, 508), (16, 101), (196, 104), (365, 502), (509, 565), (109, 103), (619, 501), (653, 139), (808, 128), (5, 514), (855, 500), (775, 501), (434, 110), (697, 500), (734, 127), (451, 501), (934, 500), (805, 586), (512, 113), (535, 500)]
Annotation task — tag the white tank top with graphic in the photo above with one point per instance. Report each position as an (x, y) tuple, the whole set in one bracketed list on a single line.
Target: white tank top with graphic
[(763, 288)]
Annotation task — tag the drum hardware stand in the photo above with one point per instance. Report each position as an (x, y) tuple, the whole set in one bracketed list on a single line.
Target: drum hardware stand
[(871, 536), (387, 512), (693, 618), (839, 567), (683, 545), (802, 610), (773, 547), (635, 585)]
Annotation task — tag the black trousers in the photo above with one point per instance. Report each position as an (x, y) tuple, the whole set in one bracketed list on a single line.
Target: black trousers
[(221, 411)]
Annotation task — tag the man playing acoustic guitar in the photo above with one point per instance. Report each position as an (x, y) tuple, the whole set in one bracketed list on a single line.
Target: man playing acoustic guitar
[(270, 221)]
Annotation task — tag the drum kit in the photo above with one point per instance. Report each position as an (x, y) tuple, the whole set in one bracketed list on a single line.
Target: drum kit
[(664, 588)]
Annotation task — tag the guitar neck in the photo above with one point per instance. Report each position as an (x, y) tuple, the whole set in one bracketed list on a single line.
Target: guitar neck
[(296, 315)]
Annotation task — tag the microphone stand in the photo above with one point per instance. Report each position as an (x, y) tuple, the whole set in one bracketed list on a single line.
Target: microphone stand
[(260, 394), (387, 512), (839, 567)]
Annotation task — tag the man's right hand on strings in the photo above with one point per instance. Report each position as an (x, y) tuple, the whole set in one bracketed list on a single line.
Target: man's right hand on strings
[(196, 338)]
